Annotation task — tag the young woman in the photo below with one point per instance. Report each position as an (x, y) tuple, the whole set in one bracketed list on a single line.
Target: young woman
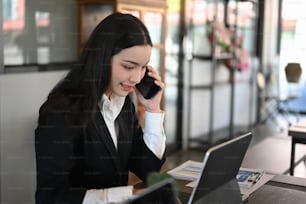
[(88, 137)]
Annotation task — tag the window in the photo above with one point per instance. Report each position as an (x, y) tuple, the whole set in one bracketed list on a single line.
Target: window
[(38, 33)]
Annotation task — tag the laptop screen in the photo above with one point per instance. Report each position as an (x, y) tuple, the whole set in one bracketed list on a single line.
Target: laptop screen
[(221, 165)]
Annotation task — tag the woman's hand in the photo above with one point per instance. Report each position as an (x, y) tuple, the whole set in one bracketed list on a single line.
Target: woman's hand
[(137, 191), (152, 104)]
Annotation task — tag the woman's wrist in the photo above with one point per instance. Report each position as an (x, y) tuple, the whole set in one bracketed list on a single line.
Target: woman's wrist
[(154, 110)]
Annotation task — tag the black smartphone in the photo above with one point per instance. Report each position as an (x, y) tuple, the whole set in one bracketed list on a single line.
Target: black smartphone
[(147, 87)]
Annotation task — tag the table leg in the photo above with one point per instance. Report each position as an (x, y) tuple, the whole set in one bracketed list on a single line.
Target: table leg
[(292, 157)]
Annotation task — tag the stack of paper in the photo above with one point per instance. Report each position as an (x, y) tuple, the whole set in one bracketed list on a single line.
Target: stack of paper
[(189, 170)]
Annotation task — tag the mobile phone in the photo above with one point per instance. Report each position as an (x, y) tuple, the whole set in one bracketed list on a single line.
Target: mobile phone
[(147, 87)]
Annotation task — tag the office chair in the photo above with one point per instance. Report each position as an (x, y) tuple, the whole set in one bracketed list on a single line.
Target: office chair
[(271, 102)]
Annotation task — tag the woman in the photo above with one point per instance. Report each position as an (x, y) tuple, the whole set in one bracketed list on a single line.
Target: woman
[(88, 136)]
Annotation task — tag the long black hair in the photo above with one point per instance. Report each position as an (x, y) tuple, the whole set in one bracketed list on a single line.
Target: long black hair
[(82, 88)]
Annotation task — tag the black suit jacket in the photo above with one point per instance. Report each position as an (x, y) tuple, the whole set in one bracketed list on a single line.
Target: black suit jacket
[(71, 159)]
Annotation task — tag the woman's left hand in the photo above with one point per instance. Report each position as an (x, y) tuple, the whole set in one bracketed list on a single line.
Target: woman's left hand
[(152, 104)]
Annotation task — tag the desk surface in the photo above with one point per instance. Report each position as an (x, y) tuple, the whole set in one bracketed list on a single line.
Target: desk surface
[(300, 126), (298, 131), (280, 189)]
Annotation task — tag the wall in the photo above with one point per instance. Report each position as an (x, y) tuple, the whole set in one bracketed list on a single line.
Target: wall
[(20, 98)]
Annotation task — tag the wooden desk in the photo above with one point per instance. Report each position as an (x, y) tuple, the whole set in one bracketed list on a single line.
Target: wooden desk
[(298, 135), (280, 189)]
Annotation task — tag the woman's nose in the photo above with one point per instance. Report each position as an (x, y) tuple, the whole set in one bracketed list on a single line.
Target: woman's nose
[(137, 76)]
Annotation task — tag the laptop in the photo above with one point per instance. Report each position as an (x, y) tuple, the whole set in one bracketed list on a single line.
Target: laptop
[(217, 182), (162, 192)]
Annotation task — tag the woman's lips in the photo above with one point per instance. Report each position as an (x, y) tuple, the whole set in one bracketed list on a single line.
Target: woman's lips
[(127, 88)]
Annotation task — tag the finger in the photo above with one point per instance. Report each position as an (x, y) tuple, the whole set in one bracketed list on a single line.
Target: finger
[(153, 73), (160, 84), (152, 69), (138, 94), (155, 76)]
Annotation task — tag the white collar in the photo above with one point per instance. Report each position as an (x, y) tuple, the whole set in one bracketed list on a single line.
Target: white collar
[(112, 106)]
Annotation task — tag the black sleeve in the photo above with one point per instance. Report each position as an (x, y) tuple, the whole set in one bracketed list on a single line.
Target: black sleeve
[(55, 141), (143, 160)]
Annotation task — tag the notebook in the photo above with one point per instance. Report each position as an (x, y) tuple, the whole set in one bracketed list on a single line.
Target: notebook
[(160, 193), (217, 182)]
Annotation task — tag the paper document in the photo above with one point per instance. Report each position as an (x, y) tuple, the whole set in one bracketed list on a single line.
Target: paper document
[(248, 177), (250, 180), (189, 170)]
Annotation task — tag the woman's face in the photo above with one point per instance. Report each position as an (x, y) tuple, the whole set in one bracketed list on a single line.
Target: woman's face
[(128, 68)]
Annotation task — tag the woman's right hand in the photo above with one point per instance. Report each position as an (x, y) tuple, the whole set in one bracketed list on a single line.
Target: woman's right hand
[(137, 191), (152, 104)]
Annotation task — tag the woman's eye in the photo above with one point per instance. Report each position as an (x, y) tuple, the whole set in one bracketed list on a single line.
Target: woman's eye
[(128, 67)]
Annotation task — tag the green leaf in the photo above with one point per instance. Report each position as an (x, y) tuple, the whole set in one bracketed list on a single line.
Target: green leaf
[(156, 177)]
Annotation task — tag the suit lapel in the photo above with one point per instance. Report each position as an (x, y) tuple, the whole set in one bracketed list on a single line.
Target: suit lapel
[(124, 140), (104, 134), (125, 134)]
